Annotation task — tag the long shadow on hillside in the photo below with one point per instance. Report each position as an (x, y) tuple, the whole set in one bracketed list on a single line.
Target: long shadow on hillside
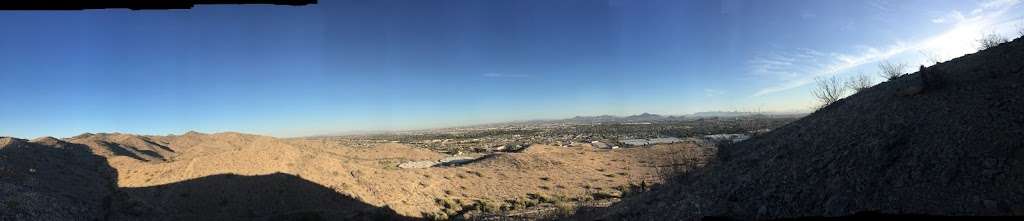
[(78, 185), (122, 150), (275, 196)]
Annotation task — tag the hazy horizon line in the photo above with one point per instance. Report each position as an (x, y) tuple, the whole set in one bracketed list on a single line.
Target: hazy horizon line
[(378, 131)]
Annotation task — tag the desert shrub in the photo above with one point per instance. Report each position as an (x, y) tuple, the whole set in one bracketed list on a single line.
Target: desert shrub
[(859, 82), (564, 209), (435, 216), (450, 212), (583, 198), (828, 90), (544, 198), (991, 40), (599, 195), (529, 202), (1020, 29), (448, 204), (681, 163), (890, 70), (631, 188), (487, 206), (520, 203), (508, 205), (931, 56)]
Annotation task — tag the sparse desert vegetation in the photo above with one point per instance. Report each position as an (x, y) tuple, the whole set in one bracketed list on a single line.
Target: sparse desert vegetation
[(991, 40), (890, 70), (829, 90), (859, 82), (512, 110), (882, 152), (174, 173), (559, 167)]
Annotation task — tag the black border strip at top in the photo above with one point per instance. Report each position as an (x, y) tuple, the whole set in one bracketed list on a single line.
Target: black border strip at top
[(132, 4)]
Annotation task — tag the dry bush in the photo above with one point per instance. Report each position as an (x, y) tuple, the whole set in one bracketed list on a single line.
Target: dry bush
[(829, 90), (931, 56), (564, 209), (435, 216), (891, 70), (859, 82), (679, 164), (1020, 29), (991, 40)]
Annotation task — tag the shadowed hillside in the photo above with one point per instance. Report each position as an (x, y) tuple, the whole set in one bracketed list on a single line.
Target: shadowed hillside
[(953, 148), (275, 196), (48, 179)]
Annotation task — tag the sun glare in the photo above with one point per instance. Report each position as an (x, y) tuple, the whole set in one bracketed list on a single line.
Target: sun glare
[(958, 41)]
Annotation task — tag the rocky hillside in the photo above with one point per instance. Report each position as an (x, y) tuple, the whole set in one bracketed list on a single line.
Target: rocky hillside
[(49, 179), (946, 140)]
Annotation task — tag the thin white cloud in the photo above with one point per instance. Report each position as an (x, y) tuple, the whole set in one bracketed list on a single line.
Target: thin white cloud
[(796, 68), (880, 5), (953, 16), (712, 92), (840, 63), (997, 4), (500, 75)]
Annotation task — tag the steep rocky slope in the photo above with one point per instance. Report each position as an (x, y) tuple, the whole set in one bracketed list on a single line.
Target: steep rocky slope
[(954, 148)]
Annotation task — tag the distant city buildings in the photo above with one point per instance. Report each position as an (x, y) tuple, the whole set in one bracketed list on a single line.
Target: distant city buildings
[(702, 131), (714, 138), (652, 141), (600, 145)]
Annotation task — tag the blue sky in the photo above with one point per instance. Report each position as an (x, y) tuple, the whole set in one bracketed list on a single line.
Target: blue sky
[(386, 65)]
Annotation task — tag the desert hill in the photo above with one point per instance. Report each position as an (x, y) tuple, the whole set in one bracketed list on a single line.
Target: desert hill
[(234, 176), (51, 179), (954, 148)]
